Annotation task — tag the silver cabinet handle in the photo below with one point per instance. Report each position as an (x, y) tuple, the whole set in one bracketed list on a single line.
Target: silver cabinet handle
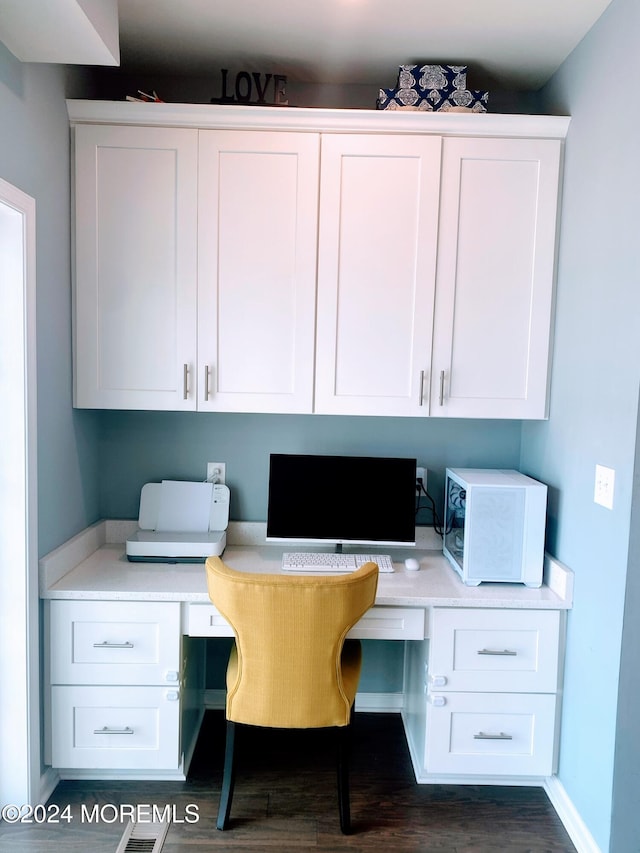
[(422, 374), (206, 382), (185, 382), (441, 395), (498, 652), (485, 736), (105, 730), (107, 645)]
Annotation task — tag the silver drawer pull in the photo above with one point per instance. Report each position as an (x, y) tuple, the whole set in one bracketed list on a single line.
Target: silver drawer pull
[(485, 736), (107, 645), (498, 652), (105, 730)]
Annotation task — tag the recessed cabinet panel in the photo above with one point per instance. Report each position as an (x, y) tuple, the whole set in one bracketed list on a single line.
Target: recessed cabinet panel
[(495, 650), (377, 248), (115, 642), (135, 728), (257, 267), (492, 733), (135, 294), (495, 277)]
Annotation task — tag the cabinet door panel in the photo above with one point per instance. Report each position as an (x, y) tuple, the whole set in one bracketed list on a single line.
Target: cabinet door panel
[(135, 276), (495, 277), (495, 650), (491, 733), (257, 263), (125, 642), (135, 728), (376, 271)]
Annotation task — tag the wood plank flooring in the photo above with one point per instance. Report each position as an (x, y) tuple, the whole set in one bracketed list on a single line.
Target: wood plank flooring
[(285, 800)]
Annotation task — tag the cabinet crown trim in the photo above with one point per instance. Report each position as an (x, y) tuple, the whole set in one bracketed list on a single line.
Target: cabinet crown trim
[(317, 120)]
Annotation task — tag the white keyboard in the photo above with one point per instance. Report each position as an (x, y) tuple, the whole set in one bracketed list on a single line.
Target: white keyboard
[(318, 562)]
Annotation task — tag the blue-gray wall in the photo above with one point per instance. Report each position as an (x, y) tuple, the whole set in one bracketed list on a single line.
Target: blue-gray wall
[(594, 419), (34, 156), (140, 447)]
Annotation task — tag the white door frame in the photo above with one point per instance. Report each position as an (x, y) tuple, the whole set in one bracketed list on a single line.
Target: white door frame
[(20, 768)]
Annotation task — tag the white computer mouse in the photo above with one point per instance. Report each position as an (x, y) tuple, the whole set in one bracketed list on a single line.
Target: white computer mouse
[(411, 564)]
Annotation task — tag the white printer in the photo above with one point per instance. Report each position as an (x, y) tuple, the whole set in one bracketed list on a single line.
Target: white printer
[(180, 522)]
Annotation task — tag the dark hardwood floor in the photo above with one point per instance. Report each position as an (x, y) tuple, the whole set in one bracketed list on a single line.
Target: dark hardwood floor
[(285, 800)]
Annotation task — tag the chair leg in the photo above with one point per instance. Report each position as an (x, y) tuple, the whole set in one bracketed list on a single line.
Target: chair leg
[(228, 778), (343, 778)]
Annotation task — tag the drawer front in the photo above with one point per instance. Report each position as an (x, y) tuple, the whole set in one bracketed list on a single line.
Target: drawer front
[(491, 733), (379, 623), (133, 728), (391, 623), (205, 620), (109, 642), (495, 650)]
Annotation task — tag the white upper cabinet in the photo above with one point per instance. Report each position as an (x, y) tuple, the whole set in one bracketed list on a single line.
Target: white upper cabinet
[(257, 232), (352, 262), (494, 286), (376, 273), (136, 276)]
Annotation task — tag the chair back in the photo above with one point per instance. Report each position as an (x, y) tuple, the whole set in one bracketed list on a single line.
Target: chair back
[(290, 632)]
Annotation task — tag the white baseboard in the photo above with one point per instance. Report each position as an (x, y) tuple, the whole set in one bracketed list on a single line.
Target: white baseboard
[(48, 782), (576, 828), (381, 703)]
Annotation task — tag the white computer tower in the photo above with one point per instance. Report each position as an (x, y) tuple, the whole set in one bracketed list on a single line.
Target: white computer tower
[(494, 525)]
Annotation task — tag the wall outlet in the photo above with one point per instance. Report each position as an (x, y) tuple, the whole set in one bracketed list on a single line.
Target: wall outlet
[(603, 492), (421, 474), (216, 472)]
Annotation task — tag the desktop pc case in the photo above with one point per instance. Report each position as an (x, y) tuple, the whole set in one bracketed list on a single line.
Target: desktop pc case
[(494, 526)]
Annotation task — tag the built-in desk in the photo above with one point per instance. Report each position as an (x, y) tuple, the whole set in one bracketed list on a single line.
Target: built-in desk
[(124, 675)]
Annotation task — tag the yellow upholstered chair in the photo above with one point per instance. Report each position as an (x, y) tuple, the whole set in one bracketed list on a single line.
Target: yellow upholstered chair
[(290, 666)]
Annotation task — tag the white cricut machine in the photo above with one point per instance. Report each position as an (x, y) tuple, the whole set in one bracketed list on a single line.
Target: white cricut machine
[(180, 522)]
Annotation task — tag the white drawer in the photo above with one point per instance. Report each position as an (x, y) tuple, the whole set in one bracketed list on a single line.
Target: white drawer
[(491, 733), (115, 642), (495, 650), (379, 623), (205, 620), (134, 728), (391, 623)]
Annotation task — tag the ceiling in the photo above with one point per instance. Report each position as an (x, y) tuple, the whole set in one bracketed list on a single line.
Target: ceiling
[(516, 44)]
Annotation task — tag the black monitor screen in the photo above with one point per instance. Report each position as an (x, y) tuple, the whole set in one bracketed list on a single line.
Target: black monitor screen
[(341, 499)]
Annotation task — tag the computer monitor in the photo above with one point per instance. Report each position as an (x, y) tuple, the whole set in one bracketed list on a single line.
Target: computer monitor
[(359, 500)]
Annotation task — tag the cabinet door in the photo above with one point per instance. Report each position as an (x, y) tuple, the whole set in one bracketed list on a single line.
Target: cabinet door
[(257, 226), (115, 642), (135, 276), (494, 288), (514, 651), (509, 734), (376, 272), (136, 728)]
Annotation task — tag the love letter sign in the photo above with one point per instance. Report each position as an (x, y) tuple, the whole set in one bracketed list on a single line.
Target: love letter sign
[(253, 88)]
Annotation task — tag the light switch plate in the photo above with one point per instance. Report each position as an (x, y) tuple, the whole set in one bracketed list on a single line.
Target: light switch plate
[(603, 492)]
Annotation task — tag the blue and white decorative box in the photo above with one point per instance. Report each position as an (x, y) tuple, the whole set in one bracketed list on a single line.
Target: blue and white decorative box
[(427, 77), (432, 88), (433, 101)]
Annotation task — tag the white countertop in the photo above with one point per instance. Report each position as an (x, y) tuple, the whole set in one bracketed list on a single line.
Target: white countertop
[(92, 566)]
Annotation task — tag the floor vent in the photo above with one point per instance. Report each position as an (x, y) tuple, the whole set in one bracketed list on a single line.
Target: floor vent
[(143, 837)]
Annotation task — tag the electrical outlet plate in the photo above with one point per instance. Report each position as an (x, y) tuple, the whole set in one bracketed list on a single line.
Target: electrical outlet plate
[(603, 492), (421, 473), (220, 468)]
